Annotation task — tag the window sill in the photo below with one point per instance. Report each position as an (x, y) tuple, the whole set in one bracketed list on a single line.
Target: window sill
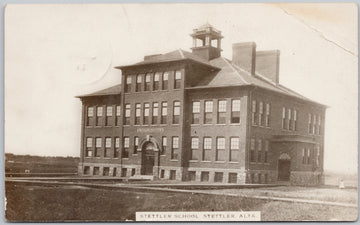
[(125, 158), (205, 161), (193, 160), (162, 155), (135, 154), (234, 162), (174, 160), (220, 161), (235, 124), (107, 158)]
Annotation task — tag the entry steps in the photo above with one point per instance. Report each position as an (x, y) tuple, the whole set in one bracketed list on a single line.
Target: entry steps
[(141, 178)]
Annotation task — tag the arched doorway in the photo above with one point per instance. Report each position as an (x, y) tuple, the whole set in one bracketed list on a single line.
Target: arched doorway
[(284, 163), (148, 158)]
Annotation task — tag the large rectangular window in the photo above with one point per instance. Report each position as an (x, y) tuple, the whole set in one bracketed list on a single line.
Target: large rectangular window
[(127, 114), (235, 111), (163, 113), (175, 148), (155, 113), (283, 118), (252, 150), (138, 82), (221, 112), (118, 114), (176, 112), (295, 119), (308, 156), (309, 124), (128, 84), (89, 149), (208, 112), (99, 115), (289, 120), (126, 144), (318, 156), (234, 149), (267, 117), (107, 153), (98, 146), (177, 82), (261, 113), (109, 114), (117, 147), (304, 156), (146, 113), (148, 81), (220, 149), (194, 148), (266, 151), (195, 113), (319, 125), (165, 81), (136, 145), (207, 149), (156, 84), (253, 113), (90, 116), (259, 150), (314, 124), (163, 145), (137, 113)]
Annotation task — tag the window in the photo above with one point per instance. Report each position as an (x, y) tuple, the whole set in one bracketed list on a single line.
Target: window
[(137, 113), (252, 150), (175, 148), (107, 147), (177, 83), (106, 171), (204, 176), (259, 150), (172, 175), (125, 153), (156, 81), (194, 148), (96, 170), (218, 177), (99, 114), (138, 82), (195, 113), (164, 144), (163, 113), (283, 118), (267, 117), (146, 113), (98, 146), (253, 113), (235, 111), (261, 111), (147, 81), (318, 156), (87, 170), (234, 149), (118, 114), (136, 144), (220, 149), (309, 124), (90, 115), (176, 112), (221, 112), (266, 151), (303, 156), (295, 120), (127, 114), (232, 178), (289, 121), (155, 113), (128, 84), (165, 81), (117, 146), (89, 145), (208, 112), (319, 125), (314, 124), (308, 156), (207, 149), (109, 113)]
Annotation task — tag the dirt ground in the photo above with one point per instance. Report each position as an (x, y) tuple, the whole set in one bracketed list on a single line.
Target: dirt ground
[(77, 203)]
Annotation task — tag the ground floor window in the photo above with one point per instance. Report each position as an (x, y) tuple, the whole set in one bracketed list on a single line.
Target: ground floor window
[(96, 171), (123, 172), (162, 173), (172, 175), (218, 177), (192, 175), (133, 171), (114, 172), (233, 178), (87, 170), (106, 171), (204, 176)]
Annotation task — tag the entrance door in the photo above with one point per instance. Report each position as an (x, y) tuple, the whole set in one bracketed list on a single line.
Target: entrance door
[(148, 158), (284, 170)]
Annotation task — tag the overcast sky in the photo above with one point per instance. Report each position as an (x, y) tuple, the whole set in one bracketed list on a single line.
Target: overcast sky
[(55, 52)]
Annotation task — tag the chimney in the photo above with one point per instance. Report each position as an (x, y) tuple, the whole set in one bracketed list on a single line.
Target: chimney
[(267, 64), (244, 56)]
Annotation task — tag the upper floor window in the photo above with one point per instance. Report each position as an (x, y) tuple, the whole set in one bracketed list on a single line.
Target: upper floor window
[(177, 83), (89, 145), (147, 81), (165, 81), (90, 115), (317, 155), (207, 149), (308, 156), (163, 145), (267, 117), (118, 114), (208, 112), (261, 111), (136, 144), (253, 113), (220, 149), (289, 119), (194, 148), (127, 114), (138, 82), (234, 149), (235, 111), (259, 150), (163, 113), (117, 147), (221, 112), (107, 152), (283, 118), (137, 113), (109, 113), (98, 146), (295, 119), (90, 112), (156, 84), (195, 113), (128, 83), (266, 151), (252, 150), (176, 112), (155, 113), (319, 125), (125, 153), (175, 148), (304, 156), (314, 131), (99, 114), (146, 113), (310, 124)]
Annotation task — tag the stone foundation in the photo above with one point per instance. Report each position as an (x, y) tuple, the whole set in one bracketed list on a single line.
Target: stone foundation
[(214, 175), (306, 178), (114, 170), (261, 177)]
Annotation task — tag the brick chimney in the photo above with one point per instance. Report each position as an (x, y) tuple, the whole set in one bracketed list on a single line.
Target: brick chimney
[(267, 64), (243, 55)]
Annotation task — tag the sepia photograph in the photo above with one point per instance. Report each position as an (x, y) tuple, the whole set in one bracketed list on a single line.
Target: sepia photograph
[(181, 112)]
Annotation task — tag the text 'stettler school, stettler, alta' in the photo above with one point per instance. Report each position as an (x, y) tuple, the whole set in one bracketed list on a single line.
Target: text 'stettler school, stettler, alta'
[(197, 116)]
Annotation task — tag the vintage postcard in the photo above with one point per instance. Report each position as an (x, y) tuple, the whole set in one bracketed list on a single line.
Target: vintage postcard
[(181, 112)]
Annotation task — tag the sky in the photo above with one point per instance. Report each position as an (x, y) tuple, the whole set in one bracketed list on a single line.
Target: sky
[(56, 52)]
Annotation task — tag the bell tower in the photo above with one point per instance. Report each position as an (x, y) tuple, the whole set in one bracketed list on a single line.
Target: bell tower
[(206, 42)]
